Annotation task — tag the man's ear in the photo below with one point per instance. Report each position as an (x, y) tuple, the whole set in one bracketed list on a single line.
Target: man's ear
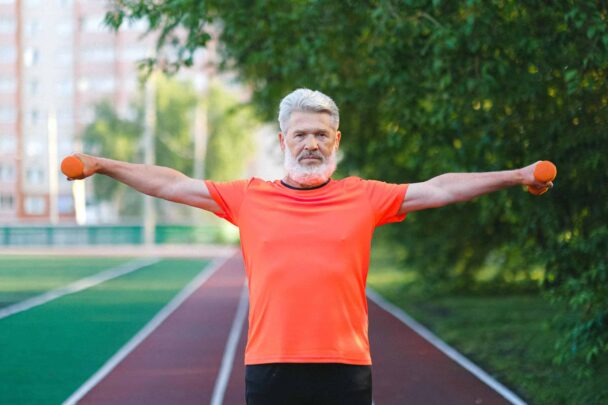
[(338, 137), (282, 141)]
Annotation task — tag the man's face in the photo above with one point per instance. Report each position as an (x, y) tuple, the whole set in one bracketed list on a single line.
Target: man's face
[(309, 144), (310, 138)]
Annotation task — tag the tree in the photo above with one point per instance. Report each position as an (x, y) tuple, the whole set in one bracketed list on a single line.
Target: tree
[(231, 126), (116, 138), (434, 86)]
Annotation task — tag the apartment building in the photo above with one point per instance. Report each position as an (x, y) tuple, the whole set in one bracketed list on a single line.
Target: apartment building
[(57, 60)]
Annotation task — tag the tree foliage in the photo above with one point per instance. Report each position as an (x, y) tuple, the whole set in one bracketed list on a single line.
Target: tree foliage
[(229, 145), (430, 86), (175, 103), (230, 142), (116, 138)]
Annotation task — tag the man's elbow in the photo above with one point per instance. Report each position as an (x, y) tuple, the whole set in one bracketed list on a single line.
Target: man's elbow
[(169, 192), (442, 197)]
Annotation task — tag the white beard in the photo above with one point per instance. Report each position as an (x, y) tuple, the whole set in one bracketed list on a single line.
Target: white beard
[(310, 175)]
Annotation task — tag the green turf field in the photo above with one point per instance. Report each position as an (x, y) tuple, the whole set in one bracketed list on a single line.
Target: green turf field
[(23, 277), (48, 351)]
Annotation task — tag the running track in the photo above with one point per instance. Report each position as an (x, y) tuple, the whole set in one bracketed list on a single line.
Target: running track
[(179, 362)]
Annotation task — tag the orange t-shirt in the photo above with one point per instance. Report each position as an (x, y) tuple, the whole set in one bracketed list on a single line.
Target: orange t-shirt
[(306, 257)]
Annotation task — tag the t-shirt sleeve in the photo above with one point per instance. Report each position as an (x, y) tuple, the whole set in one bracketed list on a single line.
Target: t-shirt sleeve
[(386, 199), (229, 196)]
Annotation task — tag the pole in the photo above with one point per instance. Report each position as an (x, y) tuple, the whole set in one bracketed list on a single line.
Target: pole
[(201, 133), (149, 158), (53, 167)]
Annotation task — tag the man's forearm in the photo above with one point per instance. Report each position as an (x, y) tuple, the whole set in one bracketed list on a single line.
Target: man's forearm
[(148, 179), (465, 186), (456, 187)]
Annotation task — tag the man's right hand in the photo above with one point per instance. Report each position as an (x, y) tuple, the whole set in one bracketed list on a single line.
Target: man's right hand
[(90, 163)]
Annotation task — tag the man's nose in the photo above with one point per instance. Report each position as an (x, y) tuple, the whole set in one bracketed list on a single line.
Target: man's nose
[(311, 143)]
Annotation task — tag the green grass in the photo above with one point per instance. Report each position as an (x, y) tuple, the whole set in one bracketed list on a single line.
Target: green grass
[(510, 336), (47, 352), (24, 277)]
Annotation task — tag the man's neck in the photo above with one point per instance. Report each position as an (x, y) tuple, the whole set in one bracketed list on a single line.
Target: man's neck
[(289, 181)]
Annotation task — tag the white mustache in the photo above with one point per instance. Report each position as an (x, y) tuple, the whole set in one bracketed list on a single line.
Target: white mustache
[(311, 156), (310, 175)]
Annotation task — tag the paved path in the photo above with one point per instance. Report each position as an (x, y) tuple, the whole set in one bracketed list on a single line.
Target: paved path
[(409, 370), (179, 362)]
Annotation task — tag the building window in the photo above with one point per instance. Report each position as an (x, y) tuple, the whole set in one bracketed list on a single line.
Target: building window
[(103, 84), (100, 84), (87, 115), (7, 202), (65, 146), (7, 114), (64, 57), (32, 87), (35, 176), (98, 55), (83, 85), (7, 173), (34, 117), (31, 57), (65, 116), (64, 28), (34, 148), (93, 24), (7, 85), (8, 144), (7, 54), (65, 87), (65, 204), (135, 53), (32, 28), (35, 205), (7, 25)]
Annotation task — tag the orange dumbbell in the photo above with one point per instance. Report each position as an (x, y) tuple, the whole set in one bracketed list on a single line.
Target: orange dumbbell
[(72, 167), (544, 171)]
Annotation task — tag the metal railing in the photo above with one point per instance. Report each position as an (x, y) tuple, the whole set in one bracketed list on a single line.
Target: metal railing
[(70, 235)]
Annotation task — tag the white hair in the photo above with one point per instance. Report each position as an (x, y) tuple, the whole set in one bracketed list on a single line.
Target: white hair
[(306, 100)]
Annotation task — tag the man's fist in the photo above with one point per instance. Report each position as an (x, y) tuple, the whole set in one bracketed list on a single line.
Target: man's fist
[(78, 166), (539, 176)]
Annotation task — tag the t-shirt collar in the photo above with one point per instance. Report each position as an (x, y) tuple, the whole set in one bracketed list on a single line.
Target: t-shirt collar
[(305, 189)]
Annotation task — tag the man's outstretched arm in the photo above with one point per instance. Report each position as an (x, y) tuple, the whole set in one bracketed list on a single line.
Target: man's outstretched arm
[(457, 187), (156, 181)]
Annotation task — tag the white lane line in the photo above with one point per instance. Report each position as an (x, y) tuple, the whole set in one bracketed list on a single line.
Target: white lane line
[(219, 390), (444, 347), (79, 285), (154, 323)]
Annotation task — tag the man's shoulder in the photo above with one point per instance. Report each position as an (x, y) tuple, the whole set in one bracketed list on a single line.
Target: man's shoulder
[(351, 184), (259, 182), (244, 181), (349, 180), (356, 181), (367, 184)]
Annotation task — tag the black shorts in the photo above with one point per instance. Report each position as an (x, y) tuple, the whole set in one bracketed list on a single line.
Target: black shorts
[(308, 383)]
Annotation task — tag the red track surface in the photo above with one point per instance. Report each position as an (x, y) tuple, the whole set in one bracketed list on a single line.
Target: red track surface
[(178, 363)]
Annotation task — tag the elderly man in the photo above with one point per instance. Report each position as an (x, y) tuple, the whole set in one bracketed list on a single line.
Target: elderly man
[(306, 245)]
